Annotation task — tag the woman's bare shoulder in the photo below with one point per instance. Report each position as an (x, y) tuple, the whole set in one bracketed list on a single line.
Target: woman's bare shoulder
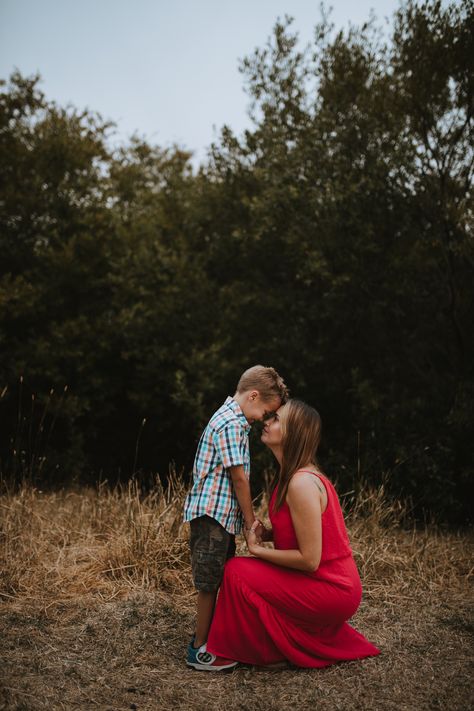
[(301, 481), (303, 484)]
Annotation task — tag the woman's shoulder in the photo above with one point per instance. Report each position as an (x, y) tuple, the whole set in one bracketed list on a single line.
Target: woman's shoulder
[(299, 482), (306, 474), (303, 480)]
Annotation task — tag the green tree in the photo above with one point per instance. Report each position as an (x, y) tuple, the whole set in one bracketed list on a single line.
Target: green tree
[(55, 243), (333, 241), (352, 223)]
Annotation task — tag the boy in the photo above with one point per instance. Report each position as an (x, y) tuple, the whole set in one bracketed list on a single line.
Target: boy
[(220, 496)]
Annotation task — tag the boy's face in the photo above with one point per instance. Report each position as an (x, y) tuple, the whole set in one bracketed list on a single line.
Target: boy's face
[(254, 408)]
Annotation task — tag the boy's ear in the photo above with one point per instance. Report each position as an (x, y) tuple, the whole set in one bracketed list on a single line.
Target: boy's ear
[(253, 395)]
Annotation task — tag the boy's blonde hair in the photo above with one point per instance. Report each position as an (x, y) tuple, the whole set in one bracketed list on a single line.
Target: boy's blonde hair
[(266, 380)]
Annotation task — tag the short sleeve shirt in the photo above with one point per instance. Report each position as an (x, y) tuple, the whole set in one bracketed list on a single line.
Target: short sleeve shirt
[(223, 444)]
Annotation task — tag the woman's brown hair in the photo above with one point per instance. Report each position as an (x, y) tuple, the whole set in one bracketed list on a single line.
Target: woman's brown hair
[(301, 431)]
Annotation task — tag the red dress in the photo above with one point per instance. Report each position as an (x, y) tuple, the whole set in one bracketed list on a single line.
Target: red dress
[(266, 613)]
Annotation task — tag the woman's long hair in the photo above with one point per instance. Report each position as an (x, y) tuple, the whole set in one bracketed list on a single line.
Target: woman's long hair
[(301, 430)]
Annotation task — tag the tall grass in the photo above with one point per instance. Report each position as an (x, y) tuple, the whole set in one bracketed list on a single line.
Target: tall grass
[(27, 447), (109, 542)]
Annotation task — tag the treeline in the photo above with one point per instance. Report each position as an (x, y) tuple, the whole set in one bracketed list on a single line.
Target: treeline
[(333, 241)]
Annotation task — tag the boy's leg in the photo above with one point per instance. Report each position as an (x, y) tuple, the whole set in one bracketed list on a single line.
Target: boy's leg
[(205, 610), (211, 546)]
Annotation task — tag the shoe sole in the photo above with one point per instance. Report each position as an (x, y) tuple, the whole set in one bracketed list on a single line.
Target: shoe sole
[(209, 667)]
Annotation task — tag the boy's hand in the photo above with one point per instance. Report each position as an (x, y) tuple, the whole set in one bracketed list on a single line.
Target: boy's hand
[(258, 530), (253, 541)]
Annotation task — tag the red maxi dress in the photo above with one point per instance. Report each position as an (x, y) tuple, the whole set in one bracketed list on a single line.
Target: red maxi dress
[(266, 613)]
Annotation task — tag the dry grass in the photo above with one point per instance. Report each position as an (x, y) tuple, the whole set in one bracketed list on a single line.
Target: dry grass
[(97, 607)]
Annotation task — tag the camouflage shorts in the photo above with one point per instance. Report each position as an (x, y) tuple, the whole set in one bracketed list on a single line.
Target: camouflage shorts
[(211, 546)]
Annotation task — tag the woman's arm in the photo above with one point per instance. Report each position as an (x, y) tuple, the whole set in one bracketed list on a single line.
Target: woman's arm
[(304, 502)]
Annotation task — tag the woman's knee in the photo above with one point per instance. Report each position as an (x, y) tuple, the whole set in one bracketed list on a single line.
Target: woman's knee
[(240, 566)]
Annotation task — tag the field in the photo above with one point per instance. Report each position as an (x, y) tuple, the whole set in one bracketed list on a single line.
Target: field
[(97, 608)]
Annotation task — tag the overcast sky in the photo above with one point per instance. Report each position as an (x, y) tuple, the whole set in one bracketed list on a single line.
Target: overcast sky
[(166, 69)]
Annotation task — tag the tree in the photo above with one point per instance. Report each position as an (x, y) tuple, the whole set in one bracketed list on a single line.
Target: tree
[(332, 241)]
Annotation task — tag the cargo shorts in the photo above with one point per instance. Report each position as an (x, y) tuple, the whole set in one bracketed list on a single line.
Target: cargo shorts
[(211, 546)]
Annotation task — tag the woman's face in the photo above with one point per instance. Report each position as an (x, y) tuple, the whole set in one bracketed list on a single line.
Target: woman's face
[(272, 434)]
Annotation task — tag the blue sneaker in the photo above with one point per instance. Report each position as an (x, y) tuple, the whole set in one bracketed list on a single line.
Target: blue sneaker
[(199, 658)]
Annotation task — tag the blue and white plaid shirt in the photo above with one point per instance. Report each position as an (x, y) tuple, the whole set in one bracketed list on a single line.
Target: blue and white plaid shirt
[(223, 444)]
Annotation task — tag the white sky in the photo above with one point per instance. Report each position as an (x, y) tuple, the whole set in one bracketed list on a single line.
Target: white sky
[(166, 69)]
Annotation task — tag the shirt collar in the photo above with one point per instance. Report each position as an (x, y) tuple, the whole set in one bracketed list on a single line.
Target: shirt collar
[(237, 410)]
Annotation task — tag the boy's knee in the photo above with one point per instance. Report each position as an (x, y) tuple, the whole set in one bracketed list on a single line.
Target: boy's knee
[(207, 571)]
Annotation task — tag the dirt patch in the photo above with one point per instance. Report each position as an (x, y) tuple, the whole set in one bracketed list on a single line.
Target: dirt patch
[(129, 654), (98, 607)]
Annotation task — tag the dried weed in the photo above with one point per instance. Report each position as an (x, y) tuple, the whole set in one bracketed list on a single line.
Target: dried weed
[(98, 605)]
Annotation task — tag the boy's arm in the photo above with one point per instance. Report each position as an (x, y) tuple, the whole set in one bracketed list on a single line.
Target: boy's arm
[(242, 491)]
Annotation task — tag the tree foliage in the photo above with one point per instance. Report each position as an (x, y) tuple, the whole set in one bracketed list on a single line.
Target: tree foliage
[(333, 241)]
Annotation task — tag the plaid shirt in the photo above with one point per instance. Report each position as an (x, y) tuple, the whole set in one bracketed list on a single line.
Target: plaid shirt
[(223, 444)]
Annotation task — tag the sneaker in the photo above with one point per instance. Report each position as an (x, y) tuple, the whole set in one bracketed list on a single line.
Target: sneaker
[(203, 660)]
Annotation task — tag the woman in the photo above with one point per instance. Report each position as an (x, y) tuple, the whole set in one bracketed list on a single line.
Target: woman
[(291, 603)]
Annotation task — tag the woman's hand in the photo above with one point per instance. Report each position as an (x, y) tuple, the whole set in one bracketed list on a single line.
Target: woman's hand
[(253, 539), (305, 510)]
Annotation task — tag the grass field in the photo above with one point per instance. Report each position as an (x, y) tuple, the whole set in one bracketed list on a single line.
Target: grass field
[(97, 607)]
